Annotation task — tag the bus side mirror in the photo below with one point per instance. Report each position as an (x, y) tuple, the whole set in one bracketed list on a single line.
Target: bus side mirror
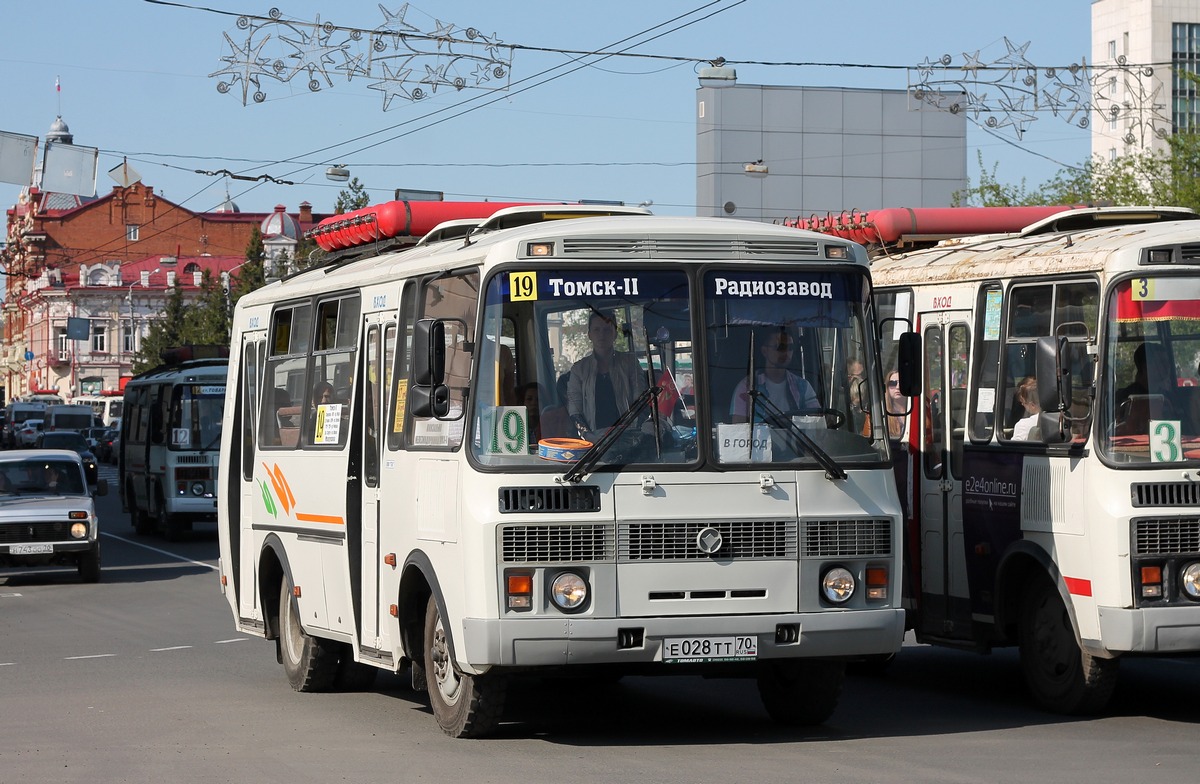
[(1052, 368), (429, 396), (429, 352), (908, 363)]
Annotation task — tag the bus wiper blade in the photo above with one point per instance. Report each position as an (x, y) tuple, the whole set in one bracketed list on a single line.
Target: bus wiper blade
[(591, 457), (832, 469)]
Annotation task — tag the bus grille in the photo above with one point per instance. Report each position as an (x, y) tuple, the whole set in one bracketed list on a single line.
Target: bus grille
[(1166, 494), (583, 498), (556, 543), (677, 541), (842, 538), (1166, 536), (691, 247)]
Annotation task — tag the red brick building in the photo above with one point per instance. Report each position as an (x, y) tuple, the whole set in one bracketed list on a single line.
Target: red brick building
[(71, 257)]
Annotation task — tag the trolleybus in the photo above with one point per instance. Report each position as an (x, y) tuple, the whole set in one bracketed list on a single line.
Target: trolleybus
[(170, 441), (1054, 490), (387, 498)]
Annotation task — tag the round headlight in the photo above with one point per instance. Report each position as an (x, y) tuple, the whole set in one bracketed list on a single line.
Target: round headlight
[(837, 585), (79, 530), (1191, 580), (568, 591), (197, 488)]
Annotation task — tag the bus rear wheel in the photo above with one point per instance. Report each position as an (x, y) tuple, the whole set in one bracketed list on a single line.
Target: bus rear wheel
[(800, 691), (311, 663), (1062, 677), (465, 706)]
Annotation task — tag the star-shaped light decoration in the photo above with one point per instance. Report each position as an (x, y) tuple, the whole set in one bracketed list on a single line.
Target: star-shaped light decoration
[(392, 85)]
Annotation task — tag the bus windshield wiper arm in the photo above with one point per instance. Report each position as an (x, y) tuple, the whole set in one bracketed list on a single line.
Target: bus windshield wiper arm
[(598, 450), (832, 469)]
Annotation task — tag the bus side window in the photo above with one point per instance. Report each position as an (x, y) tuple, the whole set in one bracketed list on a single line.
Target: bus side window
[(398, 388), (285, 375)]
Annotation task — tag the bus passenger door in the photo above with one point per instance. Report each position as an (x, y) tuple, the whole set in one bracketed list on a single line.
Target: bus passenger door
[(944, 610), (379, 338)]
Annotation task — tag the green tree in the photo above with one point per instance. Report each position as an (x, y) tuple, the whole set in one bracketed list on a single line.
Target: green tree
[(251, 275), (164, 333), (355, 197), (206, 321)]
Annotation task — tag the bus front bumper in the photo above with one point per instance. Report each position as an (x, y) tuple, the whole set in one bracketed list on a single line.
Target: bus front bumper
[(1150, 629), (556, 641)]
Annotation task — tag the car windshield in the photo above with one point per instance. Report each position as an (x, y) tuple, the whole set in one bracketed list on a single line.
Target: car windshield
[(41, 477)]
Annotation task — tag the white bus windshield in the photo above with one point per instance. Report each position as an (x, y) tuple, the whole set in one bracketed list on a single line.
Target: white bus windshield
[(783, 347), (566, 356), (196, 411), (1151, 412)]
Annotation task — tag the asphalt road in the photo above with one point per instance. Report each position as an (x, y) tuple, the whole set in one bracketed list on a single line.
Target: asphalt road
[(142, 678)]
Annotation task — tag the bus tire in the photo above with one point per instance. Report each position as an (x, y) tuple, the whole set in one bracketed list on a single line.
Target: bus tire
[(800, 692), (465, 706), (1061, 676), (89, 565), (310, 662), (169, 525)]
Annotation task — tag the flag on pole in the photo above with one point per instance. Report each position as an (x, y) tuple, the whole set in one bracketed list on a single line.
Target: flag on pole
[(57, 86), (669, 395)]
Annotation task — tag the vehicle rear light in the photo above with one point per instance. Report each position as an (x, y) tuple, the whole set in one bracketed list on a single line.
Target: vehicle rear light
[(1152, 582), (877, 581), (519, 590)]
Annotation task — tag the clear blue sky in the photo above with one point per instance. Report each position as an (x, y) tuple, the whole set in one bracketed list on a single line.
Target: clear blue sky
[(135, 80)]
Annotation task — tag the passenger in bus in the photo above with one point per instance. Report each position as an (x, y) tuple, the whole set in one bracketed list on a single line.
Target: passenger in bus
[(786, 390), (1151, 395), (893, 403), (1027, 396), (605, 383)]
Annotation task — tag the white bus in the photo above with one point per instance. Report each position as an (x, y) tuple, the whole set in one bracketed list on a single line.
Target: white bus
[(388, 499), (107, 409), (170, 441), (1053, 489)]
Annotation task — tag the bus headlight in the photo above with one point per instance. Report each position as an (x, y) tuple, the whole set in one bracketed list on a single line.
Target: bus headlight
[(568, 591), (1191, 580), (837, 585), (197, 488)]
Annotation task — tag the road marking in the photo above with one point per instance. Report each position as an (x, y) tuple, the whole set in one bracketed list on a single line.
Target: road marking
[(235, 639), (93, 656), (9, 595), (7, 664), (172, 648), (160, 552)]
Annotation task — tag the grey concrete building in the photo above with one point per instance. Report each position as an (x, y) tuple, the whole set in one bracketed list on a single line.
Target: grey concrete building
[(769, 152)]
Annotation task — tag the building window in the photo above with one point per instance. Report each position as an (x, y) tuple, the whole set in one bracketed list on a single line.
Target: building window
[(99, 338), (1185, 62), (1112, 154), (127, 338), (1112, 87), (64, 345), (131, 232), (1125, 44), (1112, 50)]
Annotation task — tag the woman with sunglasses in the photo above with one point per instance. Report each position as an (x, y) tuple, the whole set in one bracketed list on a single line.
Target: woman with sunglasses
[(894, 403)]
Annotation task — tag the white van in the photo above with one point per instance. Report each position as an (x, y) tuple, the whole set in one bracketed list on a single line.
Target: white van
[(16, 414), (68, 417)]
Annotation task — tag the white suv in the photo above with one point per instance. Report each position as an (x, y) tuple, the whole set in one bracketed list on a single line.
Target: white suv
[(47, 515)]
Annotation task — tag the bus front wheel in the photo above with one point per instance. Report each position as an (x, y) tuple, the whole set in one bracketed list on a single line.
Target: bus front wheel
[(800, 691), (465, 706), (311, 663), (1062, 677)]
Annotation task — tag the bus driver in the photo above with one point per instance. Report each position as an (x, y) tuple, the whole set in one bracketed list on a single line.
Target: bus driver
[(605, 382)]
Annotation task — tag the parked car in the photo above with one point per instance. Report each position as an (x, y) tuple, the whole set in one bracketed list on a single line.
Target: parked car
[(28, 433), (47, 515), (69, 439)]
